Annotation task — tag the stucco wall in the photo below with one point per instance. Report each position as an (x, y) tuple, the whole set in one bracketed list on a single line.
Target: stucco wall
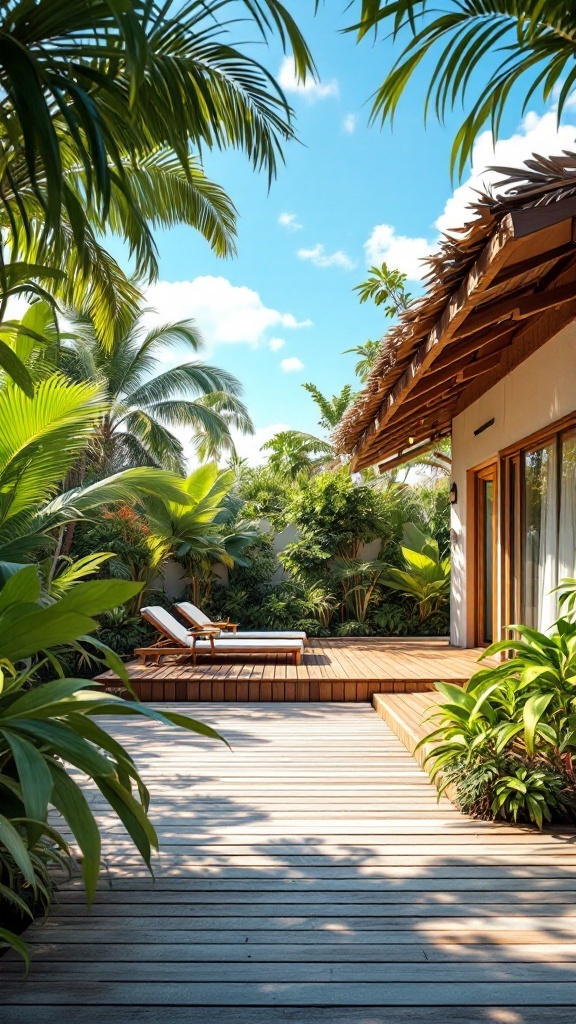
[(538, 392)]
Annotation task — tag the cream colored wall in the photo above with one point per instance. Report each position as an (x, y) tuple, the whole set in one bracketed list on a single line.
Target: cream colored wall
[(538, 392)]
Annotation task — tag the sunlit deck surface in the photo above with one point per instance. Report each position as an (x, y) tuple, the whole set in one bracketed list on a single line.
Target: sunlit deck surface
[(342, 670), (308, 876)]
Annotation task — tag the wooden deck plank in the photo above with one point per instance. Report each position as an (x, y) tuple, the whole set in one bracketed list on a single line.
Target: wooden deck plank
[(340, 669), (312, 872)]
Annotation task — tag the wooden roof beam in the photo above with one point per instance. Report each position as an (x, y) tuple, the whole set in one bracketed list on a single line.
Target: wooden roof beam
[(397, 447), (477, 281), (404, 457), (426, 426), (521, 308), (508, 273), (412, 426)]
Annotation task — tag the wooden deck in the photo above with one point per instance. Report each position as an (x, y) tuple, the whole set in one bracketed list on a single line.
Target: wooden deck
[(307, 877), (332, 670)]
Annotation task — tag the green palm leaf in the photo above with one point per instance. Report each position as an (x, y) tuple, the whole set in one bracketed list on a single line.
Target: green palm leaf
[(534, 44)]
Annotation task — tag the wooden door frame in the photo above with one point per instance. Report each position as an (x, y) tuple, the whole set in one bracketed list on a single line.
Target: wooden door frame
[(487, 470)]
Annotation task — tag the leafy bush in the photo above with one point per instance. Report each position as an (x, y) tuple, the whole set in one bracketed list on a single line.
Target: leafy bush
[(49, 725), (507, 740), (426, 575)]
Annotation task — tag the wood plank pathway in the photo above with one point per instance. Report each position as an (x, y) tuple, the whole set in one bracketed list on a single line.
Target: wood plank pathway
[(307, 877), (347, 669)]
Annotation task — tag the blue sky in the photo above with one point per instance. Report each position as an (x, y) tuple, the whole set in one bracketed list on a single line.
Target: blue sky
[(348, 192)]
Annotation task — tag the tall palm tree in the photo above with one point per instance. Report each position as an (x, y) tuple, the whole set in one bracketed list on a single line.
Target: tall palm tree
[(91, 83), (294, 452), (104, 108), (145, 403), (533, 42)]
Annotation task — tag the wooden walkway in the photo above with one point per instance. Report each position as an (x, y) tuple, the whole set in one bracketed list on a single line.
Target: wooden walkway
[(342, 670), (307, 877)]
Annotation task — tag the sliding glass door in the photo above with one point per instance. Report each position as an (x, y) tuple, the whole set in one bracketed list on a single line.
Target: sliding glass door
[(539, 563), (540, 526)]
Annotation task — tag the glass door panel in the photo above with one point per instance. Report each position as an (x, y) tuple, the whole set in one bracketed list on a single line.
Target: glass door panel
[(539, 556), (567, 524)]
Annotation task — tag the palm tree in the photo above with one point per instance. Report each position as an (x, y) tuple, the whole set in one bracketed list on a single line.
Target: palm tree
[(367, 352), (146, 403), (294, 452), (103, 110), (91, 85), (533, 41), (211, 446), (385, 287)]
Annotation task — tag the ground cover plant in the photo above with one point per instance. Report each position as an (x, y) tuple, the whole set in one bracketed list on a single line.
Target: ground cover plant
[(506, 741)]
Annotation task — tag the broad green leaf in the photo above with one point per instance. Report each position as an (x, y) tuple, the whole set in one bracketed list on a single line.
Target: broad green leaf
[(34, 778), (70, 801), (22, 586), (16, 847), (533, 710)]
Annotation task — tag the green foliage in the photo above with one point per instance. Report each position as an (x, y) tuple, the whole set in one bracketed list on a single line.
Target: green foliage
[(431, 511), (339, 515), (517, 724), (534, 43), (367, 353), (331, 409), (426, 576), (385, 287), (265, 493), (294, 453), (47, 727), (198, 531), (87, 89), (513, 788), (145, 402)]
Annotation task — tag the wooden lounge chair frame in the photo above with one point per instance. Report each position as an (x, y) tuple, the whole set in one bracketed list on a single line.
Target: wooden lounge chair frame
[(167, 647), (186, 610)]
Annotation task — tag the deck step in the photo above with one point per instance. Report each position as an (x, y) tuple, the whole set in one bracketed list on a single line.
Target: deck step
[(408, 715)]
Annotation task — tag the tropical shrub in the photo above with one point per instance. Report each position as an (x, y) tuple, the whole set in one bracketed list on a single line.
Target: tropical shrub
[(47, 727), (426, 575), (507, 740)]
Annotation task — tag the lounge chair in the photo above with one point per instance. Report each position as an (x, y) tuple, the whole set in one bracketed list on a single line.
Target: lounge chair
[(177, 640), (197, 618)]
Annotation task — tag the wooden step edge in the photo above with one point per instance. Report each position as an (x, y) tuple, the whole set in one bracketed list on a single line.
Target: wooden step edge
[(387, 707)]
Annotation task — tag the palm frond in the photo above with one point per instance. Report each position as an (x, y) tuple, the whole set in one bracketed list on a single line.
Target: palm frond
[(41, 438), (535, 43), (188, 378)]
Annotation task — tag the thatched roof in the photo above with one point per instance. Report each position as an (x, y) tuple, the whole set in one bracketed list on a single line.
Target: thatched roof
[(539, 184)]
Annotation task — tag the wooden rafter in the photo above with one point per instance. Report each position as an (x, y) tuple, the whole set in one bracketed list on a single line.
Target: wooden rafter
[(477, 280)]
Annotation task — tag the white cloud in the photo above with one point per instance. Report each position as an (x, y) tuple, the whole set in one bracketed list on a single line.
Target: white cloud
[(276, 343), (249, 447), (349, 123), (310, 89), (320, 258), (289, 221), (536, 134), (225, 313), (399, 251), (291, 365)]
